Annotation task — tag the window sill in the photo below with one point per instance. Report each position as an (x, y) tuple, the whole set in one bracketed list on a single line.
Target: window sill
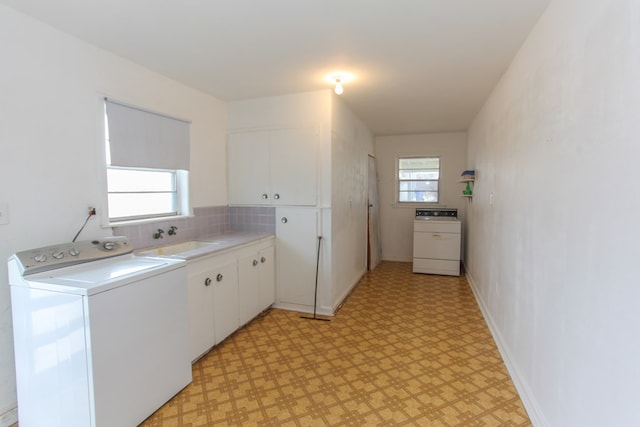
[(145, 221)]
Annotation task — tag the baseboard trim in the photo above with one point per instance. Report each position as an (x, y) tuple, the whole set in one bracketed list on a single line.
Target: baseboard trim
[(526, 395), (9, 417), (345, 295)]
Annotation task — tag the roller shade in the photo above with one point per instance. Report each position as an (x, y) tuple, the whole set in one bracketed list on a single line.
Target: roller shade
[(143, 139)]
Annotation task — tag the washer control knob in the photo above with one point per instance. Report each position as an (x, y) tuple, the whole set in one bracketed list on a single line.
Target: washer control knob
[(109, 246), (74, 252), (58, 255), (40, 258)]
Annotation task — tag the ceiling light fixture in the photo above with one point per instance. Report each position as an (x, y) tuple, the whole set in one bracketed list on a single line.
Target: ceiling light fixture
[(339, 89), (338, 79)]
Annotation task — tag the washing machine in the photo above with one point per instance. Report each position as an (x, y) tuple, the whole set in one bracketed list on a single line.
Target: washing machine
[(100, 335), (436, 241)]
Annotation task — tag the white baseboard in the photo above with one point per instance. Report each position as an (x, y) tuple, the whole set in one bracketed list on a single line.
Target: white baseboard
[(526, 395), (347, 292), (323, 311), (397, 259), (9, 416)]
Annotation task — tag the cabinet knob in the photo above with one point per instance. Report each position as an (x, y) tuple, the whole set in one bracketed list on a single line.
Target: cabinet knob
[(276, 196), (255, 262), (284, 220), (219, 277), (207, 281), (263, 259), (265, 196)]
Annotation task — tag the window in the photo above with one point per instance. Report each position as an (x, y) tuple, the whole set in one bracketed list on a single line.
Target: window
[(147, 163), (137, 193), (418, 179)]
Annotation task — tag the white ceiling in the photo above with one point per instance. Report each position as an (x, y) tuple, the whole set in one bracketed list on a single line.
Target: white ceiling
[(419, 65)]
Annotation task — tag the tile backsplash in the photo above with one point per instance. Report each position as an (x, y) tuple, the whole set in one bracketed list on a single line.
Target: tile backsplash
[(205, 222), (261, 219)]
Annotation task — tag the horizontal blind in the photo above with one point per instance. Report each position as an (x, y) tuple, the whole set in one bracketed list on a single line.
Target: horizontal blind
[(143, 139)]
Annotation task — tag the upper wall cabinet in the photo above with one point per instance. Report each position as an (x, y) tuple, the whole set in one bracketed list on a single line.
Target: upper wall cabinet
[(274, 167)]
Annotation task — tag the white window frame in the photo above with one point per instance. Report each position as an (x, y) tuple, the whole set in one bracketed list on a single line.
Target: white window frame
[(180, 178), (400, 181)]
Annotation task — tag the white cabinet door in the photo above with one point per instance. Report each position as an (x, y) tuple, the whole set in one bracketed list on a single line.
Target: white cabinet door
[(267, 279), (256, 282), (201, 319), (248, 168), (249, 287), (275, 167), (296, 234), (293, 167), (226, 300)]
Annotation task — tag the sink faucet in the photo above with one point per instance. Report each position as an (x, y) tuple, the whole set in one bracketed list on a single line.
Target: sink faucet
[(172, 230), (158, 234)]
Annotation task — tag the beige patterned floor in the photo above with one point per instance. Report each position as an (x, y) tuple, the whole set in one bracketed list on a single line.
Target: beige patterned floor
[(404, 350)]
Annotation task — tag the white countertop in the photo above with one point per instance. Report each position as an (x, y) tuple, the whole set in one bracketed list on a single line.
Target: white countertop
[(221, 242)]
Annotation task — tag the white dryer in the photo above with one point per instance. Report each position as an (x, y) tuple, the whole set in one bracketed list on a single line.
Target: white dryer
[(436, 241)]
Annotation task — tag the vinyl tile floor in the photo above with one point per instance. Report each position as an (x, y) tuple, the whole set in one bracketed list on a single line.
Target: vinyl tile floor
[(404, 350)]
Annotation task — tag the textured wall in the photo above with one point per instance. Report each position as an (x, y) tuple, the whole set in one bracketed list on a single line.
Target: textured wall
[(552, 242)]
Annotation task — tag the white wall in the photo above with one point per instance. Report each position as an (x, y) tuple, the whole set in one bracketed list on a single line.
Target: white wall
[(553, 259), (51, 86), (352, 143), (397, 220)]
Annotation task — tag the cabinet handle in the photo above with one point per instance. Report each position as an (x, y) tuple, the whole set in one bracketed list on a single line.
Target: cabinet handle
[(219, 277), (284, 220), (276, 196), (265, 196), (255, 262), (207, 281), (263, 259)]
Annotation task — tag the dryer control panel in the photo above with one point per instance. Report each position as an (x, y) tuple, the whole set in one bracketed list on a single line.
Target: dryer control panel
[(428, 213), (66, 254)]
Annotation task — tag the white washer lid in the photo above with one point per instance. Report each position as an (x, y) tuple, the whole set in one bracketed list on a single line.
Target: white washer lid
[(95, 277)]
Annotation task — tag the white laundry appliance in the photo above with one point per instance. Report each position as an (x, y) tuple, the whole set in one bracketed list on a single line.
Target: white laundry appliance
[(436, 241), (100, 335)]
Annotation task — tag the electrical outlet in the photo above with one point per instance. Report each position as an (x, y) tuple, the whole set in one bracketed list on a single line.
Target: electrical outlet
[(92, 211), (4, 213)]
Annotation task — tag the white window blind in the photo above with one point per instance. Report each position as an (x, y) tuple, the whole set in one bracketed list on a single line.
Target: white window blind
[(143, 139)]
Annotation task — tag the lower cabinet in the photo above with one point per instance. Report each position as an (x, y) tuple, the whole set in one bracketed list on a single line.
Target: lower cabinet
[(256, 282), (213, 302), (267, 277), (227, 290), (297, 245)]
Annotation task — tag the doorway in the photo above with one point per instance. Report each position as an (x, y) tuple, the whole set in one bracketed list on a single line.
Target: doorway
[(374, 250)]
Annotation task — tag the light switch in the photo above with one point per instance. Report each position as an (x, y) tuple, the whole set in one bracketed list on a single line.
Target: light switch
[(4, 213)]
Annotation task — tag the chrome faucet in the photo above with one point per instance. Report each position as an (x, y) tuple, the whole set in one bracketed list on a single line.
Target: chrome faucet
[(172, 230), (158, 234)]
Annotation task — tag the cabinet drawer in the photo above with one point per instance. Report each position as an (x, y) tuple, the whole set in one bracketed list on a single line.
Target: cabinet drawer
[(436, 245), (438, 226)]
